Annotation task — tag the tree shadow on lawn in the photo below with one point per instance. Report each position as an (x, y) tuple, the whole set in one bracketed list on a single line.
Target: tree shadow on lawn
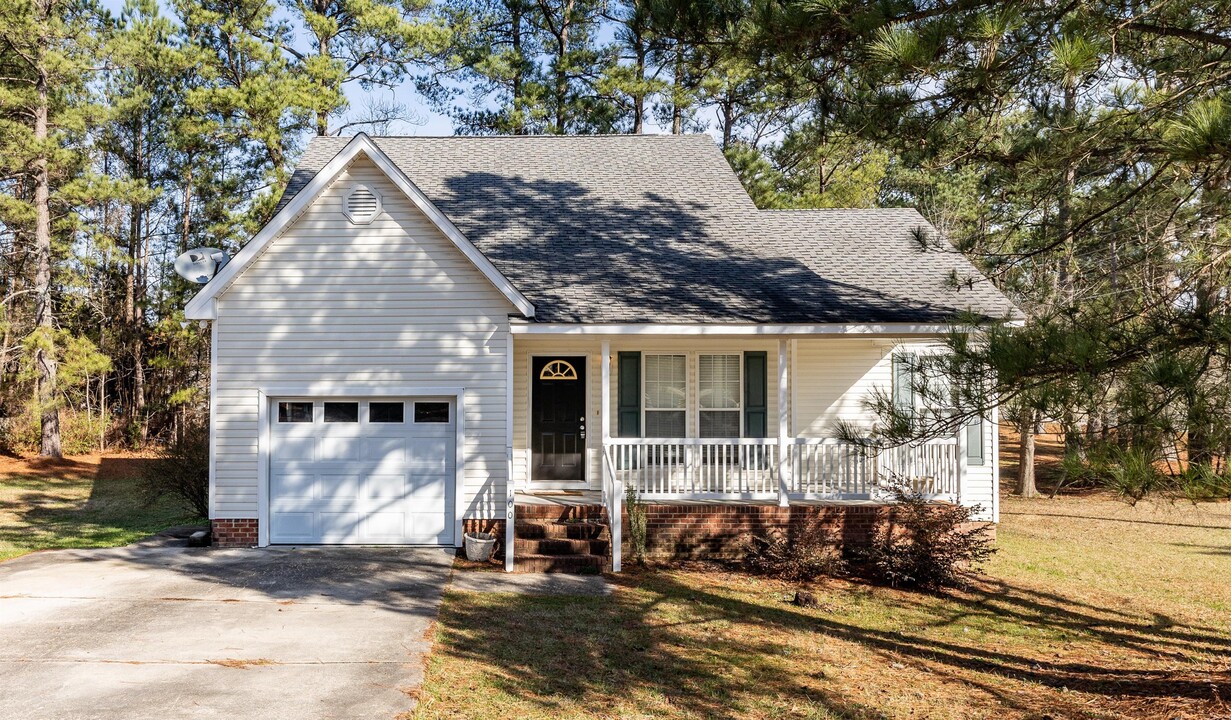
[(587, 650), (71, 503)]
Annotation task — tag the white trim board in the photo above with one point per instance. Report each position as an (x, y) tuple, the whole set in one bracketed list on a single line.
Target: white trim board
[(203, 307), (734, 329)]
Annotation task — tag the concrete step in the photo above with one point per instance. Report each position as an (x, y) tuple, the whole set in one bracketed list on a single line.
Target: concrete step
[(543, 530), (559, 546), (559, 563)]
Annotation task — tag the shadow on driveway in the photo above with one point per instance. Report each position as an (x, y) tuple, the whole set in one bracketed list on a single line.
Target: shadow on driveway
[(152, 631)]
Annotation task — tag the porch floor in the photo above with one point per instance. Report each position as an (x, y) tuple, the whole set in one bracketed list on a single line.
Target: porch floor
[(573, 498)]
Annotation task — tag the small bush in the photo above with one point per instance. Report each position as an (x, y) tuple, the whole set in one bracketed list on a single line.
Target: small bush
[(803, 557), (929, 545), (181, 469), (1133, 475), (1202, 482), (637, 524)]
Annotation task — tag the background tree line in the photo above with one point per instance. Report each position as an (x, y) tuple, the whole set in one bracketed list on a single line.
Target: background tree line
[(1078, 153)]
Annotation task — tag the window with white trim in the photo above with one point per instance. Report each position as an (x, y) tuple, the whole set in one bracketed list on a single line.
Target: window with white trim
[(719, 396), (665, 394)]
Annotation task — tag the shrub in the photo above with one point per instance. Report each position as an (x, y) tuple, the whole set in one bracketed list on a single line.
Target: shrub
[(1201, 482), (637, 524), (181, 469), (1133, 474), (79, 431), (799, 557), (929, 545)]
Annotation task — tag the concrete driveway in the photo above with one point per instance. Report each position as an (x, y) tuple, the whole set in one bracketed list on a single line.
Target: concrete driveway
[(168, 632)]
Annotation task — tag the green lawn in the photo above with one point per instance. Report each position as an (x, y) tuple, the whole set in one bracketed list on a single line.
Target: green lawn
[(1090, 609), (87, 501)]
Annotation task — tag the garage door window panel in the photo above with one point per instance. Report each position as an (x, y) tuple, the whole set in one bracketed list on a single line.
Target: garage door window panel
[(386, 412), (341, 412), (294, 412), (431, 412)]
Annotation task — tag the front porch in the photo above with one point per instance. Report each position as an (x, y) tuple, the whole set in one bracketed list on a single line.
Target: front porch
[(751, 422)]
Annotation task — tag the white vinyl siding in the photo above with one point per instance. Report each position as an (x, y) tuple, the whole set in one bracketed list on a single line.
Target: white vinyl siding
[(389, 304)]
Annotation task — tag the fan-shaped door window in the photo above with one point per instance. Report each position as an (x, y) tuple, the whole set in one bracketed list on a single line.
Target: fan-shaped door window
[(558, 370)]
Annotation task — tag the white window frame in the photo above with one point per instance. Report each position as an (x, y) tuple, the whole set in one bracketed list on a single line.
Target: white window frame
[(738, 410), (645, 405)]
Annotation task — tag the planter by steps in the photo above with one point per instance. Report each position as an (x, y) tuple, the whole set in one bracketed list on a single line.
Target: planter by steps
[(479, 546)]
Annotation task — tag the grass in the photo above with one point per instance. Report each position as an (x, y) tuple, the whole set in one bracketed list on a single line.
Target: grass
[(1091, 609), (80, 502)]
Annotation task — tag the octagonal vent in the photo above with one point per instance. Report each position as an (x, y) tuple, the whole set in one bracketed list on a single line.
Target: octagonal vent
[(361, 205)]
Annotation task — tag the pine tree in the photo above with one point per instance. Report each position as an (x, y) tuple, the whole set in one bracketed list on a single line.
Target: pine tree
[(46, 63), (369, 42)]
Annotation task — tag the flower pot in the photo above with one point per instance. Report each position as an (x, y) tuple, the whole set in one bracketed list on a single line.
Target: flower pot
[(479, 546)]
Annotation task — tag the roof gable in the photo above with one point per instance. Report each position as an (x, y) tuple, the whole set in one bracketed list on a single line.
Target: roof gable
[(203, 306)]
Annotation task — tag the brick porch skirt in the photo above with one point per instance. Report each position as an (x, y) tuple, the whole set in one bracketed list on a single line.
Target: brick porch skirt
[(723, 532)]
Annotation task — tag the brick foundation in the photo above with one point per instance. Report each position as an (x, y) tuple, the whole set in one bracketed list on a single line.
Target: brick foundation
[(230, 532)]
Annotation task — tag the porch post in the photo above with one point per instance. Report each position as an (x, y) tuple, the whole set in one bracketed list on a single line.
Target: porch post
[(611, 489), (510, 491), (784, 457), (963, 463), (605, 400)]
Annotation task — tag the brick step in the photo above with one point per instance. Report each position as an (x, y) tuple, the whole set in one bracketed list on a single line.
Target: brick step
[(543, 530), (556, 546), (559, 564), (559, 512)]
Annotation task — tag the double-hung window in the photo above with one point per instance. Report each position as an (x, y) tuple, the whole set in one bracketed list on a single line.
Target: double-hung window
[(665, 396), (719, 396)]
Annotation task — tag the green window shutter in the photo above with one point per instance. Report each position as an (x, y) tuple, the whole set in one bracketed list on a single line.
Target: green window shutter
[(974, 441), (756, 394), (903, 381), (628, 405)]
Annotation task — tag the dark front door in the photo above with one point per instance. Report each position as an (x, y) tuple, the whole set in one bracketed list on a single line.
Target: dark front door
[(558, 418)]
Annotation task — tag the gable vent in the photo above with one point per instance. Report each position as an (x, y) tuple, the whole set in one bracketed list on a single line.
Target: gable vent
[(361, 205)]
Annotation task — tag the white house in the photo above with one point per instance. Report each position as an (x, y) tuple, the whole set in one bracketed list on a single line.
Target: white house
[(438, 333)]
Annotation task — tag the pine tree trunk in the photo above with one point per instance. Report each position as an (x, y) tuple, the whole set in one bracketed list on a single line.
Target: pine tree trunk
[(677, 112), (49, 412), (562, 42), (728, 122), (1025, 458), (639, 96), (519, 120), (322, 116)]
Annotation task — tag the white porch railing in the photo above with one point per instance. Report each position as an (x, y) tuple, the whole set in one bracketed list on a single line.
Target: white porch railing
[(750, 468), (694, 467)]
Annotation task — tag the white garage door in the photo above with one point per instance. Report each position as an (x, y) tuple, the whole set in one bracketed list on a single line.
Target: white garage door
[(362, 471)]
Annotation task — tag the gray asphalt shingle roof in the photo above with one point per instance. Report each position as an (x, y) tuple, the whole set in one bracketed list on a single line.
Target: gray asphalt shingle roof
[(633, 229)]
